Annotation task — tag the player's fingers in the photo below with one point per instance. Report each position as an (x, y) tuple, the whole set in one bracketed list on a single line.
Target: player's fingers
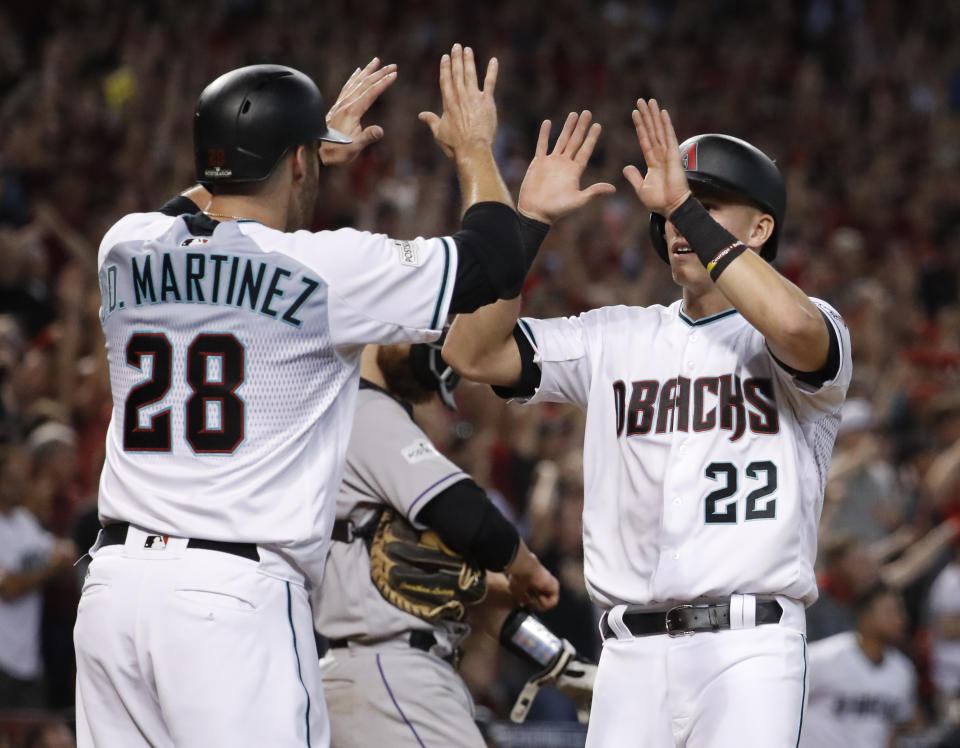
[(446, 84), (656, 125), (456, 63), (595, 190), (643, 137), (671, 132), (634, 177), (589, 143), (470, 70), (369, 135), (579, 133), (490, 79), (568, 126), (543, 139), (431, 120), (366, 97)]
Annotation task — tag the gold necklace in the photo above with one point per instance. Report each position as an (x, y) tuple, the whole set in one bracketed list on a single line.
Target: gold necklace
[(224, 215)]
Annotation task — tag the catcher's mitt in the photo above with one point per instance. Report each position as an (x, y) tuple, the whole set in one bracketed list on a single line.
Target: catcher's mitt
[(419, 574)]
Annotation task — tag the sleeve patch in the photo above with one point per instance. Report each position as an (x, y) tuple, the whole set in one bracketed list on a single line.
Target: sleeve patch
[(408, 253), (418, 451)]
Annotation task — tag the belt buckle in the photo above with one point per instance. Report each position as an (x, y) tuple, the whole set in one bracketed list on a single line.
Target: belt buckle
[(675, 632)]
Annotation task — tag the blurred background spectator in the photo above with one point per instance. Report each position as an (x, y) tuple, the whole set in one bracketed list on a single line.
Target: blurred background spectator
[(859, 102)]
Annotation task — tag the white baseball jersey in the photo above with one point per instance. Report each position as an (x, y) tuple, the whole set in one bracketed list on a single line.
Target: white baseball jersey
[(234, 360), (390, 462), (24, 546), (704, 459), (944, 600), (854, 703)]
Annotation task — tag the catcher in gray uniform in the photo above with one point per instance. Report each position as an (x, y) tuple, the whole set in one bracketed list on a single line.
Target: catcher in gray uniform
[(392, 627)]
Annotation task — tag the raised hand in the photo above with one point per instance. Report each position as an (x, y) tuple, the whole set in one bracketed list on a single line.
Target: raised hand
[(551, 187), (469, 113), (665, 187), (356, 97)]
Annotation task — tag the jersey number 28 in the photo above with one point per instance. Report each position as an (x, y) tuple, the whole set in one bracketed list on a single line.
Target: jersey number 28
[(204, 433)]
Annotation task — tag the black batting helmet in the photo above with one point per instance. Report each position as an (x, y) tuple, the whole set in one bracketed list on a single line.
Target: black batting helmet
[(247, 119), (731, 165), (430, 370)]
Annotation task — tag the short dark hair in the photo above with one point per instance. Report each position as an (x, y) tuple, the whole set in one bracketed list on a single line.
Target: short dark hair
[(865, 600)]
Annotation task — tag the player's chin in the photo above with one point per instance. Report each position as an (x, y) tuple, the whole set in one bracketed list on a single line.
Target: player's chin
[(686, 266)]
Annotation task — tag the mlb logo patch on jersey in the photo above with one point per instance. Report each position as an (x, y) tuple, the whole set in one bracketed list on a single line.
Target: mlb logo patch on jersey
[(194, 240), (409, 255), (421, 449)]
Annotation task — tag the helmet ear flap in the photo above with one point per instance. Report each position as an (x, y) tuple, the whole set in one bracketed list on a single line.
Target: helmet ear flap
[(658, 235)]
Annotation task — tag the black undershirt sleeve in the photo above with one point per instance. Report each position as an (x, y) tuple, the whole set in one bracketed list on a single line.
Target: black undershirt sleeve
[(467, 521), (529, 370), (179, 205), (825, 373), (495, 248)]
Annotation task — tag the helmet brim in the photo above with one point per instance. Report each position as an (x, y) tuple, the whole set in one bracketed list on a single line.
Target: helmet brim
[(335, 136)]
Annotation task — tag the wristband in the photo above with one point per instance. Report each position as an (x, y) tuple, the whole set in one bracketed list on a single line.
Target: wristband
[(532, 234), (726, 255), (711, 242)]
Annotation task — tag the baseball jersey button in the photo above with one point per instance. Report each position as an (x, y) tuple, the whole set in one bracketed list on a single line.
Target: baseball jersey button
[(690, 364), (677, 500), (693, 336), (676, 555)]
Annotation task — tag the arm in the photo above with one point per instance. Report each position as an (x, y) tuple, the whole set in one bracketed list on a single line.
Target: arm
[(468, 522), (920, 556), (794, 328), (480, 346), (17, 584)]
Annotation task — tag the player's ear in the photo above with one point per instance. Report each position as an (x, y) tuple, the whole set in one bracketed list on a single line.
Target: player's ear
[(299, 166), (762, 230)]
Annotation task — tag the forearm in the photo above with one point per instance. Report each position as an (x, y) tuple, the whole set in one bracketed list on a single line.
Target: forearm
[(488, 616), (17, 584), (480, 345), (920, 557), (479, 177), (793, 327)]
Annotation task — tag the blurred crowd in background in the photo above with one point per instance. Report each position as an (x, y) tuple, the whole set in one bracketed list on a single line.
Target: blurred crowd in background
[(859, 103)]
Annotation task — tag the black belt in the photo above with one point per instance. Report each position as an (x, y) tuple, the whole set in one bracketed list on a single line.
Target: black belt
[(422, 640), (688, 619), (116, 534)]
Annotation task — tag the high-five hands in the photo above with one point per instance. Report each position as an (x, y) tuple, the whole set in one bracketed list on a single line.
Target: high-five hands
[(356, 97), (665, 187), (551, 187), (469, 113)]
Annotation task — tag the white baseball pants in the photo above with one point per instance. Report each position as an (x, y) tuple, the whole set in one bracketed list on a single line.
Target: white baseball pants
[(188, 647)]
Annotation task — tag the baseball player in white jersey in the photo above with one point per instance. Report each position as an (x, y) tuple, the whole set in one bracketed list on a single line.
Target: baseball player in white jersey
[(860, 686), (709, 427), (390, 676), (234, 338)]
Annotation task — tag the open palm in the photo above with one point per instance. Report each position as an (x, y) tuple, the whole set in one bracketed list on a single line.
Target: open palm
[(664, 187), (551, 187)]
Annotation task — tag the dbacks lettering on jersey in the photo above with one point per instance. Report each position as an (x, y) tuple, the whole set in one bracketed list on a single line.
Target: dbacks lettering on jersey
[(701, 404)]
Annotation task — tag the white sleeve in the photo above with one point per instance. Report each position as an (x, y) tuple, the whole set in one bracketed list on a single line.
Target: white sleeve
[(561, 352), (382, 290), (828, 397)]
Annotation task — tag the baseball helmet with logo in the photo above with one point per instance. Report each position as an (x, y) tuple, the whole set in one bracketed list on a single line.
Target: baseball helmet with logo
[(730, 165), (247, 119)]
